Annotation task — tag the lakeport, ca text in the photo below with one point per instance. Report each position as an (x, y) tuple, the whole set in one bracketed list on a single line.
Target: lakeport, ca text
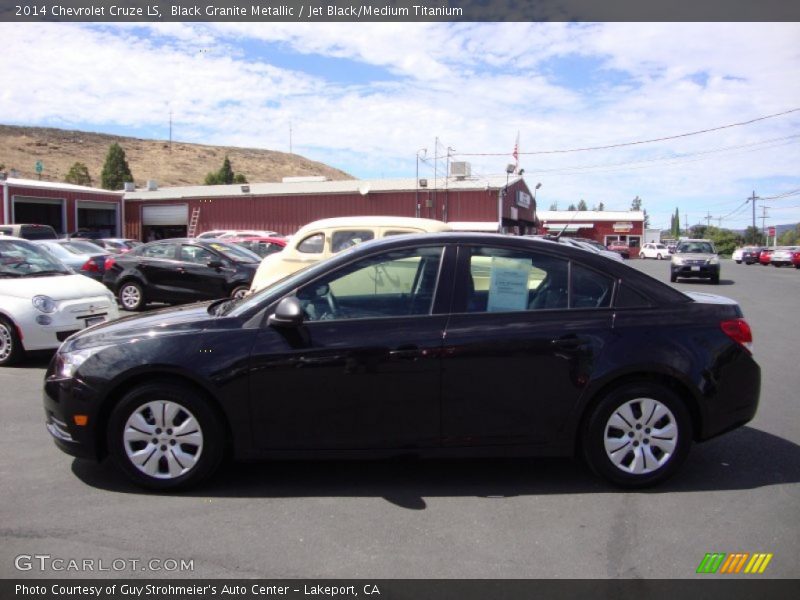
[(145, 590)]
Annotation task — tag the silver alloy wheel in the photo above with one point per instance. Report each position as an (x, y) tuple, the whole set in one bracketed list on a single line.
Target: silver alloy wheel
[(641, 436), (6, 342), (163, 439), (240, 293), (130, 296)]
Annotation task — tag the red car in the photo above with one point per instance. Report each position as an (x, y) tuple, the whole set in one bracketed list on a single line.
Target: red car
[(263, 246), (621, 248), (796, 259), (765, 258)]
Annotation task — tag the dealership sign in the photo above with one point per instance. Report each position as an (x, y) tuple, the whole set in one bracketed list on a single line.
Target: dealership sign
[(523, 199)]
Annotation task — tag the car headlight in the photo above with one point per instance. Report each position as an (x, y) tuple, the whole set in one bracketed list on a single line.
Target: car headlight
[(677, 260), (68, 363), (44, 304), (714, 261)]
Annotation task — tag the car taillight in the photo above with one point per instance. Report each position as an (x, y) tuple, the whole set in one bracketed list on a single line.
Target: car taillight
[(109, 263), (739, 331), (90, 265)]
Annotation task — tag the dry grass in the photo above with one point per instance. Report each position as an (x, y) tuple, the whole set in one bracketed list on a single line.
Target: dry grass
[(169, 165)]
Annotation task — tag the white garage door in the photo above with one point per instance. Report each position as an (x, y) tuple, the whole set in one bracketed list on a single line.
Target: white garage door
[(166, 214)]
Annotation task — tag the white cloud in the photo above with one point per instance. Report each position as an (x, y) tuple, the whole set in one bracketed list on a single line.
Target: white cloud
[(474, 85)]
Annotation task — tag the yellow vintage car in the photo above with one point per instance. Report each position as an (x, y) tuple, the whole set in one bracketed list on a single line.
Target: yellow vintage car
[(324, 238)]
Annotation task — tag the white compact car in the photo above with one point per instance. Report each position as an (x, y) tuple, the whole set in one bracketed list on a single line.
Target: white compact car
[(42, 302), (654, 250)]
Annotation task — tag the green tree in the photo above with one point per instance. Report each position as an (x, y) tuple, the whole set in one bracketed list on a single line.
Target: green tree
[(225, 176), (582, 205), (554, 206), (571, 207), (698, 231), (601, 207), (78, 174), (790, 237), (725, 240), (675, 230), (636, 204), (753, 235), (115, 170)]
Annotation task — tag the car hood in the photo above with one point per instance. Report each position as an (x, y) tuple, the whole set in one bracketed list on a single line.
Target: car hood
[(58, 287), (694, 256), (168, 321)]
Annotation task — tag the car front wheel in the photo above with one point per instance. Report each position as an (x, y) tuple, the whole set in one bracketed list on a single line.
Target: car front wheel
[(11, 350), (165, 436), (638, 435), (240, 291), (131, 296)]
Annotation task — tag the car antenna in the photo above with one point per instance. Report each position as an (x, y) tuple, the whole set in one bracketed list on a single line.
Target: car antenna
[(572, 218)]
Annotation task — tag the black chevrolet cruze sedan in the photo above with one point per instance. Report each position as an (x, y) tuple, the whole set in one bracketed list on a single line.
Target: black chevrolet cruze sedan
[(432, 345), (177, 271)]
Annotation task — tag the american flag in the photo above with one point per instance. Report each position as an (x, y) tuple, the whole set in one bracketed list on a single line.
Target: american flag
[(515, 153)]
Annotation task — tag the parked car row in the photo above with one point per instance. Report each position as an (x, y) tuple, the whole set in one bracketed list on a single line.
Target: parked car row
[(777, 256)]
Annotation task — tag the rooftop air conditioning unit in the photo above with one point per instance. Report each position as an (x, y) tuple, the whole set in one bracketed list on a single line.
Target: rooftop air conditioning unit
[(130, 186), (152, 185), (460, 169)]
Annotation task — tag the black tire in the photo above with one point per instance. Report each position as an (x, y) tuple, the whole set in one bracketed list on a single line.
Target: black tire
[(673, 278), (642, 255), (131, 295), (172, 459), (11, 350), (633, 402), (659, 257), (715, 279), (240, 291)]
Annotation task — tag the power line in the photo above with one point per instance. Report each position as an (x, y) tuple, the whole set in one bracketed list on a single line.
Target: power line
[(639, 142)]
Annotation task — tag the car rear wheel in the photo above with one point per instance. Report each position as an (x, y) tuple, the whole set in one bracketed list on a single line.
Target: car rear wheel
[(642, 255), (165, 436), (131, 296), (11, 350), (638, 435), (659, 257)]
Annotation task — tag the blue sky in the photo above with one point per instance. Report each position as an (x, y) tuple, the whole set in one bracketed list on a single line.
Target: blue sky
[(366, 98)]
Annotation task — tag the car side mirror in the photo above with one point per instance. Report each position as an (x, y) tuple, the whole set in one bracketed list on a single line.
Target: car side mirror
[(215, 264), (288, 313)]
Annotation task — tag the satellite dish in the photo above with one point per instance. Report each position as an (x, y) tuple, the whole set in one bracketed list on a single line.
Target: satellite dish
[(363, 189)]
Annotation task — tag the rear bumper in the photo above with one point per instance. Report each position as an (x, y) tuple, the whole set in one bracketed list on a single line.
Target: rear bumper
[(733, 392)]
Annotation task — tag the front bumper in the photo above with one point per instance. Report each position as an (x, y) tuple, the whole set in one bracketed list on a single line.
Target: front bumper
[(63, 400), (703, 271), (70, 317)]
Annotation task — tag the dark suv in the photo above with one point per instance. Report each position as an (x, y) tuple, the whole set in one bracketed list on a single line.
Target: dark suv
[(177, 271)]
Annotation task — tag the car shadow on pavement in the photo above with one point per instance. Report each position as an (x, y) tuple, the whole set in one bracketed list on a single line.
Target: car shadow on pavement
[(743, 459)]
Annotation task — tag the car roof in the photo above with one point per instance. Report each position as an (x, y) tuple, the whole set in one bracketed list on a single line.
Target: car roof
[(377, 221)]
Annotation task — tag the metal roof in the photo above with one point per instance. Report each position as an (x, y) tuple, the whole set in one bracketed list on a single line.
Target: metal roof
[(347, 186), (580, 216), (56, 185)]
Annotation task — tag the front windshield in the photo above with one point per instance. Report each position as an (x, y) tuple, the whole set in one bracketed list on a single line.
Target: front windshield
[(235, 253), (695, 248), (19, 258)]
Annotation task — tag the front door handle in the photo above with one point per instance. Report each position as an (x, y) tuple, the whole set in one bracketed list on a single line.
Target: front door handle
[(569, 342)]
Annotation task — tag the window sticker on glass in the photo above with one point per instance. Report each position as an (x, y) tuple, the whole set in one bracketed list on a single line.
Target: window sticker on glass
[(508, 287)]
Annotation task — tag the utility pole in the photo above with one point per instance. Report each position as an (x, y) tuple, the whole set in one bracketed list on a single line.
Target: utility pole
[(753, 199), (763, 218), (708, 219)]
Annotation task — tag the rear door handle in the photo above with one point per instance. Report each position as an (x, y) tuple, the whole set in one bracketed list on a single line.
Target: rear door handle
[(409, 352)]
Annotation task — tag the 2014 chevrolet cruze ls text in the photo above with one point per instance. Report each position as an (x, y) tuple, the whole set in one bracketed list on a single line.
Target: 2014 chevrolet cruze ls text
[(438, 345)]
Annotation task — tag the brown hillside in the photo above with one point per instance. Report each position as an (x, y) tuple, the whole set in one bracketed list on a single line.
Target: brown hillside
[(180, 164)]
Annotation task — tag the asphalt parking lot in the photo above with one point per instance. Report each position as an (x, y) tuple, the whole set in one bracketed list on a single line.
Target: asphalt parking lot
[(521, 518)]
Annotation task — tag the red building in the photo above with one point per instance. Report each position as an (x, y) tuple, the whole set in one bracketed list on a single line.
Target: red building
[(490, 203), (64, 206), (600, 225)]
